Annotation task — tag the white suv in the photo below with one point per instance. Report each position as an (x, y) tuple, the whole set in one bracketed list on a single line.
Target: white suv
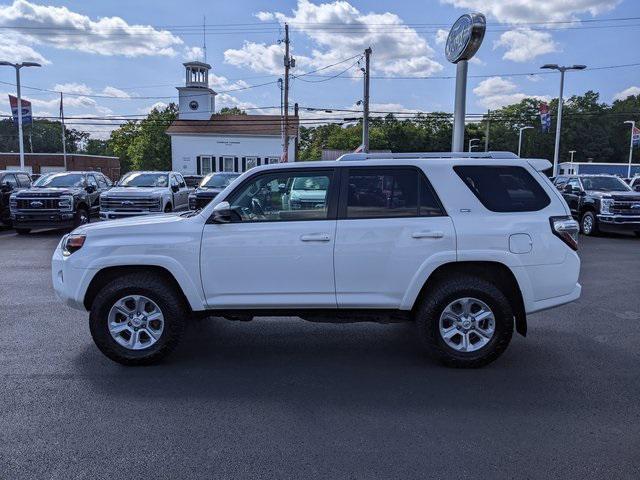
[(464, 245)]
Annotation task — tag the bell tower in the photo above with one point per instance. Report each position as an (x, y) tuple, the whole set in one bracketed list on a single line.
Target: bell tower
[(196, 100)]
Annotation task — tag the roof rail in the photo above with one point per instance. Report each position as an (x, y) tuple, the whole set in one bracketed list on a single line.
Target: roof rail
[(372, 156)]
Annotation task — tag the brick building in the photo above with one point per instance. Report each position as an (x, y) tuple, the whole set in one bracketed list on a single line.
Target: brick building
[(54, 162)]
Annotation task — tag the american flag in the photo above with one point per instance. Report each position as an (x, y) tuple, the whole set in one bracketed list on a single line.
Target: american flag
[(545, 117)]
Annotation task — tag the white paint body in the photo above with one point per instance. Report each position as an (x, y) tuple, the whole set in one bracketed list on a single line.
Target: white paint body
[(364, 264)]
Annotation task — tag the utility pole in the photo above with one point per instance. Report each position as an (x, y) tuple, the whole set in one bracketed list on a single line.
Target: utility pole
[(64, 140), (486, 132), (297, 144), (287, 64), (365, 102)]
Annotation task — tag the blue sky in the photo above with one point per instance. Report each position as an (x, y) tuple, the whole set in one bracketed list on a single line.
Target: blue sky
[(132, 49)]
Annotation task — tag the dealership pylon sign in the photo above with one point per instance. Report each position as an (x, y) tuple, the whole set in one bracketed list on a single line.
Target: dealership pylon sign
[(464, 40)]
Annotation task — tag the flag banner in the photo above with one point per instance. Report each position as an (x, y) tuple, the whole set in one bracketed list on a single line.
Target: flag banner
[(26, 110), (545, 117), (636, 137)]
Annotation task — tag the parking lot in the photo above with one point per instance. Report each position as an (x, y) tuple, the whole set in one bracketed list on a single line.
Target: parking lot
[(291, 399)]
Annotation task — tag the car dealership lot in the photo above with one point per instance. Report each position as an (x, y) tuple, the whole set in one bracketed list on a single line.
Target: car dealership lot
[(291, 399)]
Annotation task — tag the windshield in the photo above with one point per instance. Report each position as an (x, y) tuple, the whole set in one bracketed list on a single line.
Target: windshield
[(60, 180), (310, 183), (137, 179), (216, 180), (604, 184)]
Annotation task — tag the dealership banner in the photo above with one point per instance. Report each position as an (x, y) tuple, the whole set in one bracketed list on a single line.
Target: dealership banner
[(636, 136), (26, 110), (545, 117)]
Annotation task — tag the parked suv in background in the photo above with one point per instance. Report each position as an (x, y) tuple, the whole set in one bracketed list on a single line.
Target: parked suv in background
[(601, 203), (464, 245), (209, 187), (58, 200), (143, 193), (11, 182)]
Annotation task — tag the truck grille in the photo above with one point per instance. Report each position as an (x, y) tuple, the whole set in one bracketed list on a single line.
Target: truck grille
[(37, 204), (129, 204), (626, 207)]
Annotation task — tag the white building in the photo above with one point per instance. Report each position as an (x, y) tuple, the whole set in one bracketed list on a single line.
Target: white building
[(202, 142)]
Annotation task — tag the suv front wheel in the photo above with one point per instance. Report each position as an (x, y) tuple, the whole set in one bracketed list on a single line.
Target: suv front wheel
[(465, 322), (137, 319)]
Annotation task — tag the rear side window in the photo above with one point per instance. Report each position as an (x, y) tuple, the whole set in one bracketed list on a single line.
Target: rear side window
[(504, 188), (388, 193)]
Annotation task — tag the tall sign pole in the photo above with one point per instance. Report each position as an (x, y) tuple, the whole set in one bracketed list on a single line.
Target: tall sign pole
[(287, 64), (633, 132), (20, 139), (64, 140), (365, 112), (464, 40)]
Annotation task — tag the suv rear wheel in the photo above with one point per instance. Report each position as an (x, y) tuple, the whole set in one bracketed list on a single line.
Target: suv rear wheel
[(465, 322), (137, 319)]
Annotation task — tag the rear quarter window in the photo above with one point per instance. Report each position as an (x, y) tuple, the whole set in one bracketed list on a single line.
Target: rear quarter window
[(504, 188)]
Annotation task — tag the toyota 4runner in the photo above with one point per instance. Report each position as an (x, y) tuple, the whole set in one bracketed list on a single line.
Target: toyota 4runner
[(464, 245)]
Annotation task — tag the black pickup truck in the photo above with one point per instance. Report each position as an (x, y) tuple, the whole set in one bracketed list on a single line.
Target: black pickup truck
[(209, 188), (10, 183), (58, 200), (601, 203)]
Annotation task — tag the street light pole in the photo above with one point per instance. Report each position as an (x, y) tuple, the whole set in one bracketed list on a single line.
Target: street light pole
[(572, 152), (633, 128), (471, 140), (520, 138), (18, 66), (561, 69)]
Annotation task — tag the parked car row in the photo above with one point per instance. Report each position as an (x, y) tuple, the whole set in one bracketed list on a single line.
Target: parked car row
[(70, 199), (602, 202)]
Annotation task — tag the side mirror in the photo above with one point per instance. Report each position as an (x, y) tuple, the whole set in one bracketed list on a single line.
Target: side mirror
[(90, 188), (567, 189), (221, 213), (175, 188)]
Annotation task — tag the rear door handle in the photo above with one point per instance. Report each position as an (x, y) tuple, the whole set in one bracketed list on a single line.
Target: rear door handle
[(428, 234), (315, 237)]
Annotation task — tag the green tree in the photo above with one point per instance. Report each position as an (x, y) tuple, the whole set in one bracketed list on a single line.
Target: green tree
[(231, 111)]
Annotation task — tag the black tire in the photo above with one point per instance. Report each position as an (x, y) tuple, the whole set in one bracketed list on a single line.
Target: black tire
[(435, 301), (589, 223), (158, 290), (23, 231), (81, 217), (168, 208)]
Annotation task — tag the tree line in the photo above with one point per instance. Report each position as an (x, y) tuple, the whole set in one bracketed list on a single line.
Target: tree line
[(594, 129)]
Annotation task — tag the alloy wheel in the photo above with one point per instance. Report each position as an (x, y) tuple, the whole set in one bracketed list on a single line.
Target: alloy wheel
[(135, 322), (467, 324)]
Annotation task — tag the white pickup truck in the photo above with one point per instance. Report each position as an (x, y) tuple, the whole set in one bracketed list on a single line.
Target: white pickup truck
[(463, 245), (143, 193)]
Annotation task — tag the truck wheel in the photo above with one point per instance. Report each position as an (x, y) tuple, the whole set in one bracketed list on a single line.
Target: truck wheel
[(81, 217), (23, 231), (589, 223), (465, 322), (167, 208), (137, 319)]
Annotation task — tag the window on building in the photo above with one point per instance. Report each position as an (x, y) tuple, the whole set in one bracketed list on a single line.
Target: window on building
[(504, 188), (288, 196), (387, 193), (206, 165), (228, 164), (251, 162)]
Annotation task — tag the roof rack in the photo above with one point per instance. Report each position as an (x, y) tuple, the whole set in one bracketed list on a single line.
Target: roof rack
[(371, 156)]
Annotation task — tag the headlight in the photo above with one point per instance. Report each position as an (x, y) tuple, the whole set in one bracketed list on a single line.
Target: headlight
[(13, 204), (157, 206), (65, 203), (72, 243), (605, 205)]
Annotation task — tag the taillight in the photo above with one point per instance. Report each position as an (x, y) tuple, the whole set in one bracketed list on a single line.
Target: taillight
[(566, 229)]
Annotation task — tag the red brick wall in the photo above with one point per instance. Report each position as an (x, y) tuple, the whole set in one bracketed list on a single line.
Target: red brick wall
[(110, 166)]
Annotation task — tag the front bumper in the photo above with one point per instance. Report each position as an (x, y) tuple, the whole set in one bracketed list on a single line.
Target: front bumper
[(619, 222), (43, 220)]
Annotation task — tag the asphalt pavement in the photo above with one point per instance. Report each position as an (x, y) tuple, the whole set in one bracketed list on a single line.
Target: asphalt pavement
[(283, 398)]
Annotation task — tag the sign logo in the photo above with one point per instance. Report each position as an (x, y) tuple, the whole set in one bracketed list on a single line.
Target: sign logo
[(465, 37), (635, 205), (36, 204), (126, 203), (193, 105), (26, 110)]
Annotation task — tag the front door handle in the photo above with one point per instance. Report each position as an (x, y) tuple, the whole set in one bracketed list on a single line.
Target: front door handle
[(428, 234), (315, 237)]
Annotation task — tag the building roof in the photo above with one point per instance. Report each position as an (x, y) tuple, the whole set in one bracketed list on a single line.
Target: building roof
[(234, 125)]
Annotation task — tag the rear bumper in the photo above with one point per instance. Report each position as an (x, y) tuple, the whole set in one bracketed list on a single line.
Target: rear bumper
[(556, 301)]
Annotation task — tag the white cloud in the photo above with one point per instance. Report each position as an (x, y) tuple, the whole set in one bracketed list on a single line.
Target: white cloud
[(496, 92), (338, 30), (59, 27), (115, 92), (191, 54), (147, 109), (441, 36), (627, 93), (525, 44), (79, 88), (12, 49), (518, 11)]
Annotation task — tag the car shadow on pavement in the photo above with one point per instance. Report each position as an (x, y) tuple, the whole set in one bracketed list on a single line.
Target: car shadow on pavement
[(356, 364)]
